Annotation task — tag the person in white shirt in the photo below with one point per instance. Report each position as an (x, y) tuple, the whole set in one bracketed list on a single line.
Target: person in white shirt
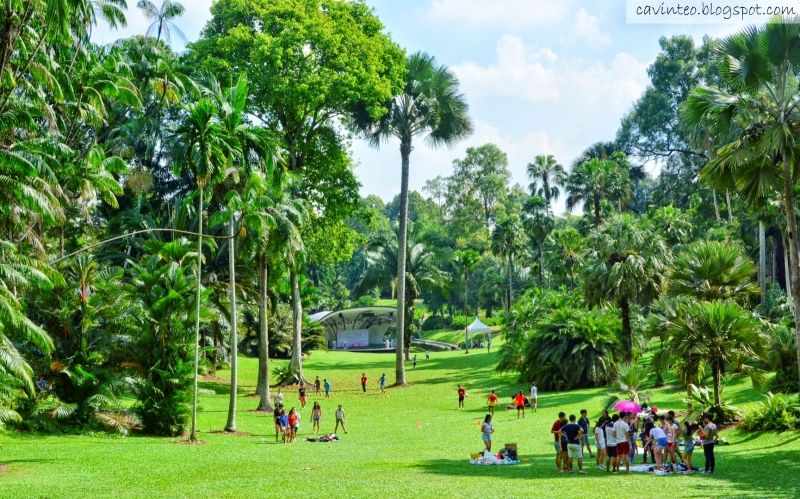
[(600, 442), (623, 447), (534, 396), (659, 437), (611, 444)]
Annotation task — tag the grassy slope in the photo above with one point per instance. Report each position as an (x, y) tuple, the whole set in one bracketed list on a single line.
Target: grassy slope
[(385, 454)]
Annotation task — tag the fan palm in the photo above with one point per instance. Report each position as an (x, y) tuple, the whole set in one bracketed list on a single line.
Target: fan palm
[(506, 242), (755, 120), (547, 176), (626, 264), (565, 249), (466, 260), (538, 223), (595, 181), (713, 270), (430, 104), (162, 18)]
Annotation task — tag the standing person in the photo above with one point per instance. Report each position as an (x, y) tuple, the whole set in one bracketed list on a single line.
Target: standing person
[(709, 436), (600, 442), (302, 393), (294, 424), (486, 432), (534, 396), (604, 418), (327, 385), (647, 441), (427, 354), (382, 383), (285, 426), (316, 415), (276, 414), (414, 361), (519, 403), (340, 419), (491, 401), (555, 430), (317, 386), (611, 444), (583, 422), (621, 429), (633, 423), (688, 445), (574, 435), (279, 397), (659, 437), (461, 394), (672, 439), (364, 382)]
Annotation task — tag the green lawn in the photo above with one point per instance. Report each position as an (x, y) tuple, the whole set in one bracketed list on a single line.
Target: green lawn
[(412, 442)]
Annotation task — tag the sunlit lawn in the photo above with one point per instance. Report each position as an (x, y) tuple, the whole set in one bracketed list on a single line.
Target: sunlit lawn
[(412, 442)]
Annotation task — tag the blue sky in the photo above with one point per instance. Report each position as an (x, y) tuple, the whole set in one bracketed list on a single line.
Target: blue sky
[(541, 76)]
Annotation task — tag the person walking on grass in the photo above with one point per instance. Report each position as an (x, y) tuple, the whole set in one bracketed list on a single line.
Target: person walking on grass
[(382, 383), (327, 385), (340, 419), (491, 402), (277, 415), (555, 430), (427, 354), (279, 397), (316, 416), (519, 403), (302, 394), (611, 445), (486, 432), (364, 382), (294, 424), (462, 393), (583, 422), (317, 386), (708, 434), (285, 426), (534, 396), (414, 361), (573, 432), (600, 442)]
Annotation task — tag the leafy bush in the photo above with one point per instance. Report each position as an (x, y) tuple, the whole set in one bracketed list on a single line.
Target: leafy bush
[(461, 321), (435, 322), (702, 400), (366, 301), (778, 412)]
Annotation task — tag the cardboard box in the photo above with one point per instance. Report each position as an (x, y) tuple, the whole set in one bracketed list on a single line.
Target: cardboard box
[(511, 446)]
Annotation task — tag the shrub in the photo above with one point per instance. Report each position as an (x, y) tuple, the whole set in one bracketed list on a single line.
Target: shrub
[(435, 322), (461, 321), (778, 412), (366, 301), (702, 400)]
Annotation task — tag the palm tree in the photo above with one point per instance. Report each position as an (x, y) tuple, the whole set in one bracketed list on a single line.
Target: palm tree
[(466, 260), (506, 242), (162, 18), (595, 181), (714, 270), (565, 249), (547, 175), (626, 264), (430, 104), (204, 148), (538, 223), (753, 119), (722, 334)]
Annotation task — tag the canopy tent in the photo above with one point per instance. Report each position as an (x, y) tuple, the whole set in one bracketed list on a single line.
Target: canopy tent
[(477, 327)]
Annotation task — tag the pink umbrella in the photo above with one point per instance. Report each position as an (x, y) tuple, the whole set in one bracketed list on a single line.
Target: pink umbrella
[(627, 406)]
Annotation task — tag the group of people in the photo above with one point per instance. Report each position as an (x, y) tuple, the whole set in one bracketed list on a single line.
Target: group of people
[(288, 424), (616, 441), (519, 401)]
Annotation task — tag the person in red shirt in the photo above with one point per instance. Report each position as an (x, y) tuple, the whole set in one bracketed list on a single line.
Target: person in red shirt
[(492, 402), (461, 394), (561, 451), (364, 382), (519, 403)]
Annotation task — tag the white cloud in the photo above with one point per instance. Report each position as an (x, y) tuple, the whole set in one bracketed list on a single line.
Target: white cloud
[(586, 28), (508, 13)]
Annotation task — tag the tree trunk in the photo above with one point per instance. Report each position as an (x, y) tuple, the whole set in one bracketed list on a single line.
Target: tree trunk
[(297, 329), (402, 246), (510, 284), (716, 205), (408, 320), (465, 293), (787, 282), (597, 219), (762, 260), (728, 204), (627, 332), (231, 424), (193, 433), (791, 235), (262, 388), (717, 373)]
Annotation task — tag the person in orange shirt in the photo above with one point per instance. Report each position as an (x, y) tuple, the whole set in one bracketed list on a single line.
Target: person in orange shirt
[(519, 403), (491, 402), (461, 394)]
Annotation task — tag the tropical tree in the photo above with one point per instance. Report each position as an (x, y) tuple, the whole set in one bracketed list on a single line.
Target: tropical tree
[(162, 18), (547, 176), (595, 181), (565, 250), (465, 261), (713, 270), (506, 242), (204, 147), (753, 119), (538, 223), (626, 263), (431, 105)]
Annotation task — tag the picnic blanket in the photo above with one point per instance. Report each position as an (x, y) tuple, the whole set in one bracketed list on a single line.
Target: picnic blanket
[(489, 459)]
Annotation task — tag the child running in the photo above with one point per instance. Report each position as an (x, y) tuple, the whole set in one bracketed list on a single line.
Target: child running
[(316, 415), (340, 419)]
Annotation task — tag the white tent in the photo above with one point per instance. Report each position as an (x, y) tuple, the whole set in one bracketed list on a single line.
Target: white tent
[(477, 327)]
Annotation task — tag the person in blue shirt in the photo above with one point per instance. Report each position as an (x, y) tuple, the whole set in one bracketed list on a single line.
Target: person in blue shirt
[(583, 422), (327, 385), (574, 434), (382, 383)]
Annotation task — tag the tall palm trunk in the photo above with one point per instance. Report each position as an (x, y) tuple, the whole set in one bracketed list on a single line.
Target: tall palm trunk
[(716, 205), (231, 424), (297, 328), (193, 433), (791, 235), (262, 387), (729, 205), (402, 244), (717, 374), (510, 284), (466, 278), (762, 260), (627, 331)]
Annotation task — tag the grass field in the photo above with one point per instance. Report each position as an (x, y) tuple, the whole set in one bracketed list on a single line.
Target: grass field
[(412, 442)]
